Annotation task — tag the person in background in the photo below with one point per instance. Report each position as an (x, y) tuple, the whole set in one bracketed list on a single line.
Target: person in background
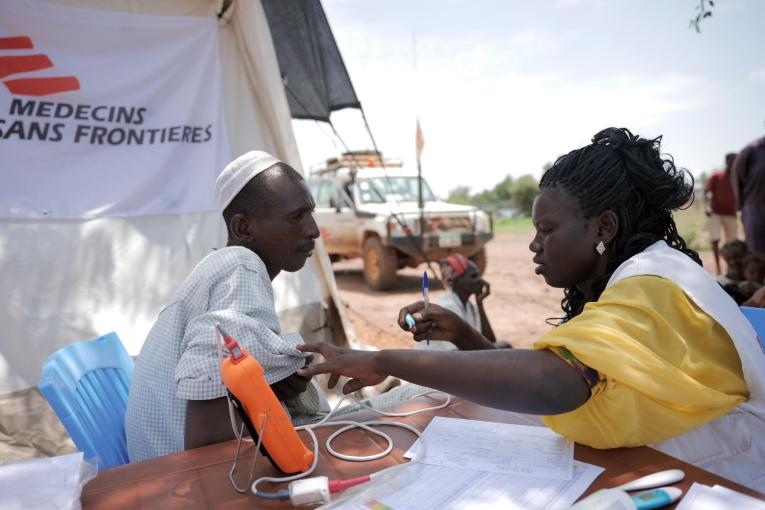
[(649, 350), (747, 292), (177, 400), (462, 280), (720, 207), (757, 300), (748, 178), (754, 274), (733, 252)]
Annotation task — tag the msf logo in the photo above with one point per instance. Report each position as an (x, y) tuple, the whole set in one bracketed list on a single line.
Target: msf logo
[(14, 64)]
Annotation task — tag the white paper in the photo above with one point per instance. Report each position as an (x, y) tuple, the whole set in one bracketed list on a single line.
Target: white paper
[(496, 447), (53, 483), (704, 497), (447, 488)]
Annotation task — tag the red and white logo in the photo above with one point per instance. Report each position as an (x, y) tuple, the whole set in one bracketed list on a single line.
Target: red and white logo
[(34, 86)]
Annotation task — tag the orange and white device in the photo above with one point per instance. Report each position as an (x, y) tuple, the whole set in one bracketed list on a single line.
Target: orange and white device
[(261, 411)]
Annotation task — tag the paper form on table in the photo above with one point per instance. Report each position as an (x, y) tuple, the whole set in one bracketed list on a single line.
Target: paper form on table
[(496, 447), (704, 497), (428, 487)]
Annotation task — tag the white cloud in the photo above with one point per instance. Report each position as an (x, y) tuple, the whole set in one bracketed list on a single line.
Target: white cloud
[(562, 4), (730, 6), (757, 76)]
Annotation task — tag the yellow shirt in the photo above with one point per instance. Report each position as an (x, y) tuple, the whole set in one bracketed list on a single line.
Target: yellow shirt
[(665, 366)]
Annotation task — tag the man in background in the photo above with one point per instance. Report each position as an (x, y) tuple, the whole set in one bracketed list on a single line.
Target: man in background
[(462, 280), (748, 179), (720, 206), (177, 400)]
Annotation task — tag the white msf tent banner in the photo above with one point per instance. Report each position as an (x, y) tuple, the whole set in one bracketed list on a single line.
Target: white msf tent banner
[(108, 113), (68, 280)]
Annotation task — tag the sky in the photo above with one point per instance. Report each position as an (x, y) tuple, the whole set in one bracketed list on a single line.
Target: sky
[(503, 87)]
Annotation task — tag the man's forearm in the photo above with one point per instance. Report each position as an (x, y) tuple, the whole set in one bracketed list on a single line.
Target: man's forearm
[(207, 422)]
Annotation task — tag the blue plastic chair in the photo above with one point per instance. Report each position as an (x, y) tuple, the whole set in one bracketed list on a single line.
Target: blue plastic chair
[(757, 317), (87, 385)]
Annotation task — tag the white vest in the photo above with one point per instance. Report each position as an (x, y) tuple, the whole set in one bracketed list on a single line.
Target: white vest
[(732, 446)]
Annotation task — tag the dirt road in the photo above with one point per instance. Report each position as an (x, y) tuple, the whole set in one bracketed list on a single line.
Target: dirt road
[(517, 308)]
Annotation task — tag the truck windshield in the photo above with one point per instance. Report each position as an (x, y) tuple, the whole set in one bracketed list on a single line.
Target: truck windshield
[(392, 189)]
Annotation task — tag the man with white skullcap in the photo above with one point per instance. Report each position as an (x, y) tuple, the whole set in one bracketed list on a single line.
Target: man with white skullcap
[(177, 399)]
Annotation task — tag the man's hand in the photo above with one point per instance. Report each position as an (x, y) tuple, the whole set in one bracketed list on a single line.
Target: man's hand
[(292, 386), (358, 365), (485, 291)]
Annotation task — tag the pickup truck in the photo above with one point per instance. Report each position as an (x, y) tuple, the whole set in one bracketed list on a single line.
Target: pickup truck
[(371, 211)]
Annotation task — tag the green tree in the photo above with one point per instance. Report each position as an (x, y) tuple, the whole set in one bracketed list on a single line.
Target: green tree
[(459, 195), (486, 199), (525, 190), (703, 10), (503, 191)]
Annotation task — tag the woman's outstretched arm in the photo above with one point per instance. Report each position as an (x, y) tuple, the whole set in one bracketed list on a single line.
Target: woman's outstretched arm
[(520, 380)]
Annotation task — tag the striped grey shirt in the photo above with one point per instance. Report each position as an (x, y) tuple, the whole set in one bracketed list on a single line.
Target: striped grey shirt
[(179, 360)]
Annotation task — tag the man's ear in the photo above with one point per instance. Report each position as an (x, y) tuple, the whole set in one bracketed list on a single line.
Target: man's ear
[(240, 228), (608, 226)]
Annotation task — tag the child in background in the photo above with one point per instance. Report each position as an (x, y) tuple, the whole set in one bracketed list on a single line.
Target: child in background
[(462, 280), (754, 274), (733, 252)]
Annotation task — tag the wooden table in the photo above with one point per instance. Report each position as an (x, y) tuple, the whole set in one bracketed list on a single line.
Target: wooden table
[(198, 478)]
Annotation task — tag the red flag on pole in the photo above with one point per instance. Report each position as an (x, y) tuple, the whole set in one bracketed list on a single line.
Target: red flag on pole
[(420, 139)]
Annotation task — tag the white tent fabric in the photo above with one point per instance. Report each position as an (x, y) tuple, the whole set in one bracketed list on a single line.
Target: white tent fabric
[(66, 281)]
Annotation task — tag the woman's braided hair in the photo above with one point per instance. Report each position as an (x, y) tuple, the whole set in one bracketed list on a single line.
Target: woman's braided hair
[(627, 174)]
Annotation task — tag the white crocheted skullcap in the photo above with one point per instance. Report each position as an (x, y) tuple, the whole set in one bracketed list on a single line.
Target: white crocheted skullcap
[(239, 172)]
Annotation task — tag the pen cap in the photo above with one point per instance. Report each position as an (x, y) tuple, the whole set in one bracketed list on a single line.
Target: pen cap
[(656, 498), (658, 479)]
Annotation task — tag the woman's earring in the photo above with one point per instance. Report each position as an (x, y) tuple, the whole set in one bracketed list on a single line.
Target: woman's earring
[(600, 248)]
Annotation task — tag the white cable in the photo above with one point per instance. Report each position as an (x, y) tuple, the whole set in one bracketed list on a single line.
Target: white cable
[(254, 486), (366, 425), (349, 425)]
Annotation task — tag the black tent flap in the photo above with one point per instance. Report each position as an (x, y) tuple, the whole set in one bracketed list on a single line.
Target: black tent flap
[(315, 77)]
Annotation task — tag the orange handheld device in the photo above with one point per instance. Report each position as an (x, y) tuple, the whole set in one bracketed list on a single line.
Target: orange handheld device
[(261, 410)]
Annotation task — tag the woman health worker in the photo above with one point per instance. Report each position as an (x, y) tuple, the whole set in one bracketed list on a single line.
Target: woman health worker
[(649, 350)]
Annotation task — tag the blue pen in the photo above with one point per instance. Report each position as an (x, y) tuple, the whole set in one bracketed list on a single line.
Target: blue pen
[(425, 295)]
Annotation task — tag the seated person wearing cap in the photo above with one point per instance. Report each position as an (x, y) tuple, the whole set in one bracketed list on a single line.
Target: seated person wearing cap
[(177, 400), (462, 279)]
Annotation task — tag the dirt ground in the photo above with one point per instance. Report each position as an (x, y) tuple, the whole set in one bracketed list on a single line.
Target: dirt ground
[(519, 303)]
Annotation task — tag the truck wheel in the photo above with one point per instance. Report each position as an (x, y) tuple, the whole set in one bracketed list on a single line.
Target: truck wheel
[(480, 259), (380, 264)]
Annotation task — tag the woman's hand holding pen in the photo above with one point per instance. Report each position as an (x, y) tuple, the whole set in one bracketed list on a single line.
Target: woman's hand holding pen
[(438, 323)]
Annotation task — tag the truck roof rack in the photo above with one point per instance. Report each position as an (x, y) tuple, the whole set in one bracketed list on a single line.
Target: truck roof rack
[(354, 160)]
